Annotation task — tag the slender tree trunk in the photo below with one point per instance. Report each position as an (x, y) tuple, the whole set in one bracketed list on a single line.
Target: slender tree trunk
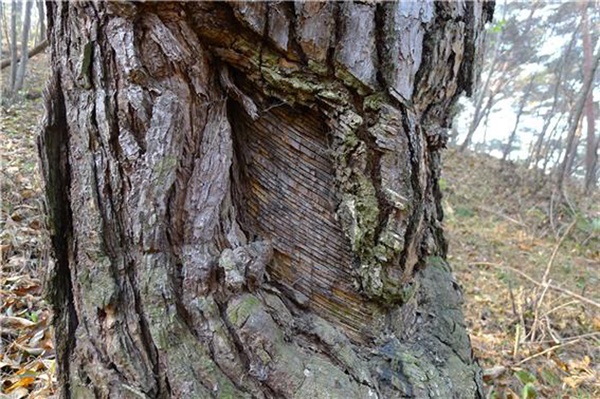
[(2, 29), (574, 120), (244, 198), (480, 110), (591, 154), (41, 21), (513, 134), (31, 53), (24, 46), (550, 146), (13, 45), (536, 152), (484, 93)]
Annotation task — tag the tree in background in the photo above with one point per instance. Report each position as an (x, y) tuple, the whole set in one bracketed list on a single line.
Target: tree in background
[(553, 42), (41, 31), (21, 22), (592, 142), (13, 44), (244, 198), (20, 76)]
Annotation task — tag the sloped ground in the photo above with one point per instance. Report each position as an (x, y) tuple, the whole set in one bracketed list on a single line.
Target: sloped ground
[(532, 338), (27, 366), (507, 229)]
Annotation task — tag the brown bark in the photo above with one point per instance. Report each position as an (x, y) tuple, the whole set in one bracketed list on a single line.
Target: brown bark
[(244, 198)]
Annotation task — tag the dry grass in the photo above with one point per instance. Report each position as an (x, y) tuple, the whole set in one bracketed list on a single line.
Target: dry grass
[(529, 265)]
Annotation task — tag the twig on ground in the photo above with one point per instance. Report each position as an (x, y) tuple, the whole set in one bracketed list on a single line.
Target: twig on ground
[(517, 339), (546, 282), (557, 288), (483, 208), (534, 281), (554, 309), (552, 348), (512, 299), (538, 304), (553, 256)]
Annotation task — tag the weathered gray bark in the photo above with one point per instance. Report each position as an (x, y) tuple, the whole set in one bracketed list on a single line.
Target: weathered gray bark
[(244, 198)]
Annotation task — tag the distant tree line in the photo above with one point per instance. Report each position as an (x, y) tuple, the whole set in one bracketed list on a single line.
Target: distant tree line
[(541, 61)]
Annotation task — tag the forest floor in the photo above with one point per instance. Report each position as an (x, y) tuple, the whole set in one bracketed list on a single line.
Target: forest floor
[(529, 265)]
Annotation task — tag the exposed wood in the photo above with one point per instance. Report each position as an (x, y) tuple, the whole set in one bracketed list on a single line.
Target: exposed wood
[(245, 201)]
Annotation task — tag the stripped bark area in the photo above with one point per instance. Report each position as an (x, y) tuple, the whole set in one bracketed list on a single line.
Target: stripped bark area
[(244, 198)]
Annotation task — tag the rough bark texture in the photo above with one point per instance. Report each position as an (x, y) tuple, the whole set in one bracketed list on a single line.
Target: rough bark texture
[(244, 198)]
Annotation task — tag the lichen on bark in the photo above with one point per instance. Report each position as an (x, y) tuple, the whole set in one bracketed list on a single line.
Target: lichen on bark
[(243, 197)]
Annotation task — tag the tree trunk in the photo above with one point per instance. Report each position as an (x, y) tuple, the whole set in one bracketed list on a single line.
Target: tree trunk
[(591, 153), (24, 46), (574, 119), (13, 45), (31, 53), (483, 93), (244, 198), (41, 23), (513, 135), (2, 21), (536, 152)]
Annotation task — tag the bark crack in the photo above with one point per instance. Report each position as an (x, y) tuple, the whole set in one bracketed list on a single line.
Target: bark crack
[(53, 146), (414, 149)]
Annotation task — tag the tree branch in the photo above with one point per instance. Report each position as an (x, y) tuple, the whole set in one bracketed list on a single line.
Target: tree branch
[(34, 51)]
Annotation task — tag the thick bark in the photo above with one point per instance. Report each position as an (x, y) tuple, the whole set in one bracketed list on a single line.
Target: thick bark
[(244, 198)]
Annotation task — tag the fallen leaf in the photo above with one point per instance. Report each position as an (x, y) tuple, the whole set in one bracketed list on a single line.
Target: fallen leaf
[(15, 322), (22, 382), (493, 373), (30, 350)]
